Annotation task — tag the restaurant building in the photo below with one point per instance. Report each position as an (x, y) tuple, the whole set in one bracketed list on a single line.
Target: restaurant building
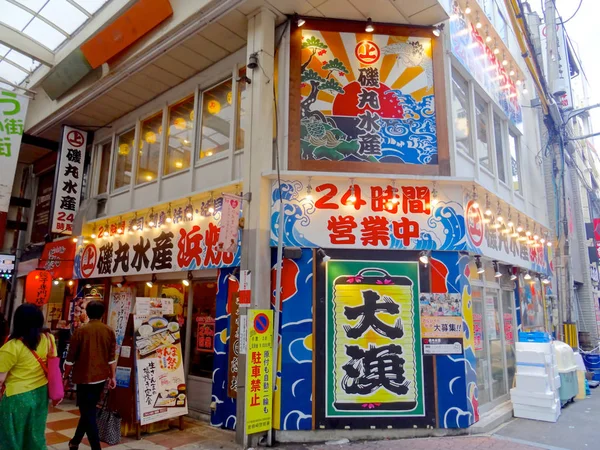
[(390, 159)]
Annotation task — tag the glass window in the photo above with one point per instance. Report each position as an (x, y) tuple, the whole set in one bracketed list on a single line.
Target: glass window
[(217, 114), (494, 337), (123, 158), (461, 112), (203, 318), (149, 149), (499, 141), (515, 165), (481, 354), (483, 148), (104, 166), (179, 141), (501, 26), (241, 112)]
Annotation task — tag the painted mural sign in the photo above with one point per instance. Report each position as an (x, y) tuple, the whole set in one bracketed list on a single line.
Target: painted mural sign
[(469, 47), (373, 357), (119, 308), (186, 245), (367, 98), (382, 216)]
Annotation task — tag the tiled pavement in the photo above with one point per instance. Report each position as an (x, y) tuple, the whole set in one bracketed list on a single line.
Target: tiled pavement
[(62, 422)]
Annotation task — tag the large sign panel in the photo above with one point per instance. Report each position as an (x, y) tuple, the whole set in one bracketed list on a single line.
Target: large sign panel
[(13, 110), (469, 47), (186, 245), (373, 357), (69, 180), (367, 98)]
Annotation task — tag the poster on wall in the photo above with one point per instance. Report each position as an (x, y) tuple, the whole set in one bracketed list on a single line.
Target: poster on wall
[(259, 371), (477, 332), (367, 98), (230, 223), (162, 391), (373, 357), (119, 308), (13, 111), (532, 305), (69, 180), (182, 245), (442, 346), (441, 323)]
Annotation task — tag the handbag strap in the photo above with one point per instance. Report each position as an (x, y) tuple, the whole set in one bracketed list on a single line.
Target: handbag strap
[(40, 360)]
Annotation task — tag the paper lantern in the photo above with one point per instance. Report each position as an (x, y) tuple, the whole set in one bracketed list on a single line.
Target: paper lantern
[(150, 137), (37, 287), (213, 107), (180, 123), (124, 149), (229, 97)]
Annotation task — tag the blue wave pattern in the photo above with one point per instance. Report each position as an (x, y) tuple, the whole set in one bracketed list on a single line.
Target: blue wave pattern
[(295, 376), (224, 415), (456, 376), (296, 212), (412, 139)]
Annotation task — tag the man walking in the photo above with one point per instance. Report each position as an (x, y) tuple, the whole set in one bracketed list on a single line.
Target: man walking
[(92, 361)]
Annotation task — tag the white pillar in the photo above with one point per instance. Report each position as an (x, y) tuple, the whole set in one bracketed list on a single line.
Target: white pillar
[(257, 158)]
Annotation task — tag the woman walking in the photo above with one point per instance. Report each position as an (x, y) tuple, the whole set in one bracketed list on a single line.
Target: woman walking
[(24, 405)]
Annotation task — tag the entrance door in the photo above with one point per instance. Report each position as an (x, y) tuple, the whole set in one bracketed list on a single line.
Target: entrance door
[(201, 351)]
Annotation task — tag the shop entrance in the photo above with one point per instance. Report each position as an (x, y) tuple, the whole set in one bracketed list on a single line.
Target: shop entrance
[(200, 352), (494, 327)]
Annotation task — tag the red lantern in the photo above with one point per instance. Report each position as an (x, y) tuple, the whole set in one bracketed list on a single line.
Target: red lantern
[(37, 287)]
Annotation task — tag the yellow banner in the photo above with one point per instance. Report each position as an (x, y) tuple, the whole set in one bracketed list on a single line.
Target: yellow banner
[(441, 327), (259, 371)]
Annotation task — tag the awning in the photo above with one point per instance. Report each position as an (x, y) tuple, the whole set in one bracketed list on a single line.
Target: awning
[(57, 258)]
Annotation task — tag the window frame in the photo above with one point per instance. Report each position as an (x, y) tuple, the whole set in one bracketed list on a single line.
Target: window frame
[(115, 154), (487, 112), (94, 185), (512, 132), (503, 140), (194, 96), (471, 150), (161, 150)]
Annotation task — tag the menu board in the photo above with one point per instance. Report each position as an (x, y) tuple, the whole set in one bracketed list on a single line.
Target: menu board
[(162, 392)]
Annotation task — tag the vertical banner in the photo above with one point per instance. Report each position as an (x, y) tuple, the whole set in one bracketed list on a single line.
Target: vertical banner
[(234, 340), (43, 204), (373, 356), (162, 392), (69, 180), (13, 110), (119, 308), (259, 371), (597, 236), (230, 223)]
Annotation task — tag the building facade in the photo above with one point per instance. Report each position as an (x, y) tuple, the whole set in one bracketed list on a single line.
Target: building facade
[(392, 162)]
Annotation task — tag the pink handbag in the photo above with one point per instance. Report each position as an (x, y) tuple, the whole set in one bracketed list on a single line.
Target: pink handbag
[(56, 390)]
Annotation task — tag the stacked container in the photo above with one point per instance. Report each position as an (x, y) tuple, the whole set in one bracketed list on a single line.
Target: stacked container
[(536, 395), (567, 370)]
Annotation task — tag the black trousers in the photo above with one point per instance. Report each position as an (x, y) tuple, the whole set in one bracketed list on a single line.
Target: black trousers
[(88, 396)]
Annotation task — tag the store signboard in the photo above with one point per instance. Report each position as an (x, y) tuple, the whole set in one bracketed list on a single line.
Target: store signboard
[(13, 110), (43, 205), (57, 258), (373, 355), (161, 387), (69, 180), (259, 371), (7, 264), (357, 103), (186, 245), (469, 47)]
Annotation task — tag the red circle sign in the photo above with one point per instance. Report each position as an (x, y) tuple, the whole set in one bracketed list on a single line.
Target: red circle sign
[(88, 260), (367, 52), (475, 228), (261, 323), (75, 138)]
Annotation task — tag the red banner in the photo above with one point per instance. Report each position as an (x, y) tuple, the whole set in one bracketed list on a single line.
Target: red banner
[(597, 235)]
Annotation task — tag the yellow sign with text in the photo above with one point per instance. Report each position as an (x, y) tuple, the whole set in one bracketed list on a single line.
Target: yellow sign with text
[(259, 371), (441, 327)]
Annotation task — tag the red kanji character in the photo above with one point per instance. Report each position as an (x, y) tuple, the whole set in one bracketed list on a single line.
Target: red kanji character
[(190, 247), (256, 371), (341, 230), (69, 227), (256, 359), (255, 400), (254, 385), (358, 201), (406, 230), (416, 200), (113, 228), (375, 231), (60, 226), (384, 200), (211, 238)]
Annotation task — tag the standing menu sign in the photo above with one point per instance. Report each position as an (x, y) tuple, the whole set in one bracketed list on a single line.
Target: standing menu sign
[(69, 180), (13, 110), (162, 392)]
